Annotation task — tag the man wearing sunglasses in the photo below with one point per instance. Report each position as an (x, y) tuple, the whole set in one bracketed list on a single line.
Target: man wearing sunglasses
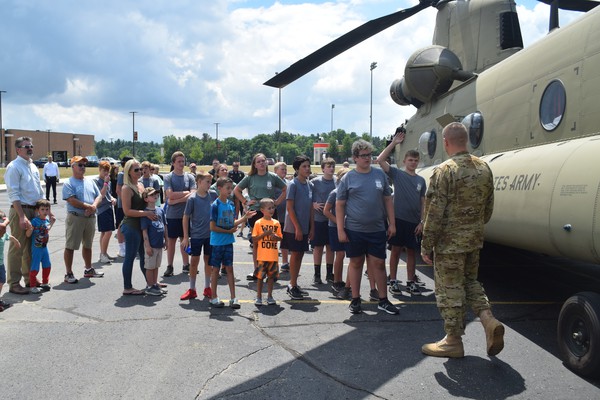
[(24, 190), (82, 197)]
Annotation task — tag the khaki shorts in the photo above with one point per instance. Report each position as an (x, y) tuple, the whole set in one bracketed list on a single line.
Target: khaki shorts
[(80, 230), (153, 261)]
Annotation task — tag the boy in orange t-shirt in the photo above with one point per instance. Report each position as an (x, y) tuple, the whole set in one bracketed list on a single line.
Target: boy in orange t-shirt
[(265, 235)]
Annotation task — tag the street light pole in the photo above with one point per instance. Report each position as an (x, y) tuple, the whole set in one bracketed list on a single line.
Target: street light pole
[(217, 138), (2, 157), (133, 132), (373, 66), (332, 107)]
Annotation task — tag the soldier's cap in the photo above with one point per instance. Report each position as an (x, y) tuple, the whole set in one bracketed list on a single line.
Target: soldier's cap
[(77, 159), (148, 191)]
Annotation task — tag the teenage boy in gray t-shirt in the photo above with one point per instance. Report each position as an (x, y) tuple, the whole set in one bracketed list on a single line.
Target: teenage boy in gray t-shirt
[(299, 221), (363, 205), (323, 185)]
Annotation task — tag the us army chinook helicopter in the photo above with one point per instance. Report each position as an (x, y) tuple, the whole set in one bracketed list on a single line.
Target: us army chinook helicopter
[(531, 114)]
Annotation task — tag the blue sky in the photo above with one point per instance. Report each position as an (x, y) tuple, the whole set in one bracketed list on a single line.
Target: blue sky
[(82, 66)]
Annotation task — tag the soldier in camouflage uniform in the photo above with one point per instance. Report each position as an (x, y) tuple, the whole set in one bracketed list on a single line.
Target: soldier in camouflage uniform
[(459, 202)]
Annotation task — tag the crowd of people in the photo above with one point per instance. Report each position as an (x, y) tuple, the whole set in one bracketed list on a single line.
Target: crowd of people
[(351, 213)]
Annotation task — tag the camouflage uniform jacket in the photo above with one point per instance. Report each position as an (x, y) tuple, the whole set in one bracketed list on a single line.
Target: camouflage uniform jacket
[(459, 201)]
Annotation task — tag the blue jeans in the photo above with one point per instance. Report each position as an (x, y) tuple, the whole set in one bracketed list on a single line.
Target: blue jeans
[(133, 244)]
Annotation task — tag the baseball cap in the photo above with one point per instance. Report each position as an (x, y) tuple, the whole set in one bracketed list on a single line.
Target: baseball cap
[(77, 159)]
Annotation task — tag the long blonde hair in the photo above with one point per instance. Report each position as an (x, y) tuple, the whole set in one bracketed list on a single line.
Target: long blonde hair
[(126, 179)]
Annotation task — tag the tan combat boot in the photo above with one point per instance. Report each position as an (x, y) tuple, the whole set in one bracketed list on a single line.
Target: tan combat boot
[(494, 332), (449, 346)]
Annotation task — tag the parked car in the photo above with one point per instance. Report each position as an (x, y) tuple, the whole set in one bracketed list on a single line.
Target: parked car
[(40, 162), (111, 160), (92, 161), (270, 161)]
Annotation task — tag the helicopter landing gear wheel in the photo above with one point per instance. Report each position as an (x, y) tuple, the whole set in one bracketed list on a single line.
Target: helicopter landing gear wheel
[(579, 333)]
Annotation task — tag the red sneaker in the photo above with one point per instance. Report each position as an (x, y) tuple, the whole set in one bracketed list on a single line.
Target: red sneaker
[(207, 292), (190, 294)]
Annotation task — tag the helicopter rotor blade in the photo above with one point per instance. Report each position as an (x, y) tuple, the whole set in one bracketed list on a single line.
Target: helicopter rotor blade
[(342, 44), (572, 5)]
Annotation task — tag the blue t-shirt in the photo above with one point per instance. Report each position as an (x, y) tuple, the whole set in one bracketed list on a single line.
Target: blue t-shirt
[(156, 229), (40, 235), (83, 189), (198, 209), (223, 214)]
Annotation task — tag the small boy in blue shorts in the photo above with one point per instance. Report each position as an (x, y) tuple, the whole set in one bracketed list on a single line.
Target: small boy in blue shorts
[(155, 238), (39, 234), (196, 232), (223, 226), (3, 304), (265, 235)]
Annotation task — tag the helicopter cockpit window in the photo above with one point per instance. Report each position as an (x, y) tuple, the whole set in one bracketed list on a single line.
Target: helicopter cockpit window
[(428, 143), (552, 106), (474, 124)]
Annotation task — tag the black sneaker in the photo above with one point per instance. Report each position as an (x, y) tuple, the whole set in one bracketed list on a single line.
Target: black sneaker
[(388, 307), (374, 295), (329, 278), (168, 271), (344, 294), (413, 288), (395, 288), (302, 291), (295, 293), (186, 268), (337, 286), (285, 267), (354, 306), (223, 271), (317, 280), (251, 277), (418, 281)]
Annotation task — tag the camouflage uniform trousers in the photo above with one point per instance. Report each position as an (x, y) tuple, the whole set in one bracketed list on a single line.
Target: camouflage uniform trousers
[(456, 287)]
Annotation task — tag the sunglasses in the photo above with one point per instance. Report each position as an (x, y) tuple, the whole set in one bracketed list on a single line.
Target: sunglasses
[(136, 169), (81, 165), (27, 146), (365, 156)]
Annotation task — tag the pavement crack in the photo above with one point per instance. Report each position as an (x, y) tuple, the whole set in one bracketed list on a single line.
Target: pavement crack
[(229, 366), (307, 361)]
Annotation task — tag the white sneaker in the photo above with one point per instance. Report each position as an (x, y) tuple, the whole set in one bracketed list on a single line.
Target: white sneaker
[(105, 259), (121, 253)]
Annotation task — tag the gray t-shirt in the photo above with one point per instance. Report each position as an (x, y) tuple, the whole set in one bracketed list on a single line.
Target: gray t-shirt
[(106, 202), (301, 193), (322, 188), (364, 193), (260, 187), (198, 209), (408, 192), (119, 182), (178, 183), (331, 200)]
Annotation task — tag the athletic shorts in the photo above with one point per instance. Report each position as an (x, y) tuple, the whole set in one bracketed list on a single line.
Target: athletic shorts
[(334, 242), (175, 228), (106, 221), (198, 244), (221, 256), (321, 234), (290, 242), (366, 243), (268, 269), (405, 235)]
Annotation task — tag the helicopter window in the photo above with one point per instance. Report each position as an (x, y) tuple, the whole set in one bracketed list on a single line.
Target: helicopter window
[(474, 124), (428, 143), (552, 106)]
